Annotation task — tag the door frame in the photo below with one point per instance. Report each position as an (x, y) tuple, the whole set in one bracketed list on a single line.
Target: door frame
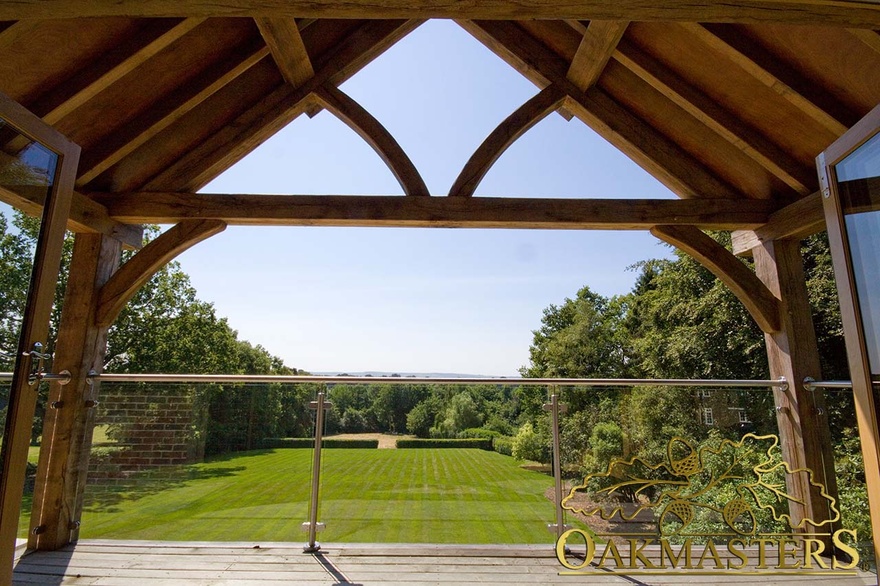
[(856, 348), (35, 320)]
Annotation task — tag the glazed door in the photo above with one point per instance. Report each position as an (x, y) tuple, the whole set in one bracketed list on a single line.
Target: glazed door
[(849, 175), (37, 171)]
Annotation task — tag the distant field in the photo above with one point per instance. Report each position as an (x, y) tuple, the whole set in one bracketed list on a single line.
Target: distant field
[(388, 496)]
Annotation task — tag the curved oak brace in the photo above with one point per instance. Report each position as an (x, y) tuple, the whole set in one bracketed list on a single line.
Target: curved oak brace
[(131, 276), (513, 127), (748, 288), (376, 135)]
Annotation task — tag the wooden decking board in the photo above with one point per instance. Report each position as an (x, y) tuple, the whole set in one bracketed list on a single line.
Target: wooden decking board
[(123, 563)]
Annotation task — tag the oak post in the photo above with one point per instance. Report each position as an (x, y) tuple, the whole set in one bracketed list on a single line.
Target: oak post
[(67, 433), (793, 353)]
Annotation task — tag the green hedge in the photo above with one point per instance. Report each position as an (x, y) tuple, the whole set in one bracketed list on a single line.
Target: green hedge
[(503, 445), (480, 444), (304, 442)]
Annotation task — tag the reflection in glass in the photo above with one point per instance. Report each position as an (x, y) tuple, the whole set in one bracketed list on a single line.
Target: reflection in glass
[(859, 183), (26, 167)]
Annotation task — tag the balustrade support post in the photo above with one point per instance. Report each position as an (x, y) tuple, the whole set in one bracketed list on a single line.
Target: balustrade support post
[(320, 404)]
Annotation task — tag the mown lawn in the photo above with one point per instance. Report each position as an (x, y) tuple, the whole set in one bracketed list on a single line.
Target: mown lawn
[(407, 496)]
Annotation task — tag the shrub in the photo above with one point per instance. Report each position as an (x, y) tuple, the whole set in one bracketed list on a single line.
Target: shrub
[(477, 443), (531, 445), (503, 445), (478, 432)]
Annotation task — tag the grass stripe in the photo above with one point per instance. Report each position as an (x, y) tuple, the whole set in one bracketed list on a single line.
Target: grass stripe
[(384, 496)]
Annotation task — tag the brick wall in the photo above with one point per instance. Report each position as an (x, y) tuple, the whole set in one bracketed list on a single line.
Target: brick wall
[(147, 431)]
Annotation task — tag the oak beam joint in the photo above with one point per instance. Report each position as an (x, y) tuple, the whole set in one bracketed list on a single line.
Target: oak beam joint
[(286, 45), (126, 281), (761, 303), (86, 215), (797, 221), (664, 159), (596, 47)]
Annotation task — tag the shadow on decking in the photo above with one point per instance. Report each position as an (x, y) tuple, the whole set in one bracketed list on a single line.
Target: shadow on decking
[(165, 563)]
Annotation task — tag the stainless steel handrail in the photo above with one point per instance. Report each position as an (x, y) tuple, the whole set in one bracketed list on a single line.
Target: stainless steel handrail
[(562, 382), (812, 385), (404, 380)]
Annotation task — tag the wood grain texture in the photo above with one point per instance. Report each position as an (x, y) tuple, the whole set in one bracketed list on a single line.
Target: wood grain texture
[(864, 392), (110, 68), (868, 37), (67, 430), (854, 14), (793, 353), (757, 298), (217, 153), (725, 123), (125, 282), (125, 140), (598, 44), (758, 63), (657, 154), (376, 135), (795, 221), (461, 212), (34, 324), (86, 215), (286, 45), (513, 127)]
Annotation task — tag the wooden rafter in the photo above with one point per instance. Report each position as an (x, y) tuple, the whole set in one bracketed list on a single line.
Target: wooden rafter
[(220, 151), (798, 220), (86, 215), (18, 30), (376, 135), (748, 288), (461, 212), (514, 126), (660, 156), (597, 45), (858, 14), (758, 64), (868, 37), (287, 47), (131, 276), (110, 68), (724, 123), (163, 114)]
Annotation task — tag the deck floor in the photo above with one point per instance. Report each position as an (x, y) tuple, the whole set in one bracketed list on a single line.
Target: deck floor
[(140, 563)]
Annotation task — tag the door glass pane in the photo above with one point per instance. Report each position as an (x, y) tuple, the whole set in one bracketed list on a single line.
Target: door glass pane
[(26, 167), (859, 183), (28, 172)]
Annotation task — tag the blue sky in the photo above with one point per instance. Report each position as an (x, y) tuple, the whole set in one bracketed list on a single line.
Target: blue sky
[(419, 300)]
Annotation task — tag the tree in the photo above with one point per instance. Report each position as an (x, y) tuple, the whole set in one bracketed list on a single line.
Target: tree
[(580, 338)]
